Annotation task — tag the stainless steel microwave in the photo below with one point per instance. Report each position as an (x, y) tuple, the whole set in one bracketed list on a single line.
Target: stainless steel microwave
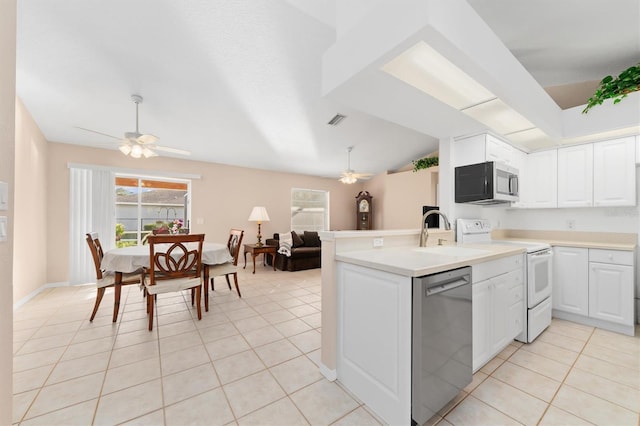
[(486, 183)]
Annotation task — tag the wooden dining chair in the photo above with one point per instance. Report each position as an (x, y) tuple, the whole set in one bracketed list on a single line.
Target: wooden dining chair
[(230, 268), (173, 267), (106, 279)]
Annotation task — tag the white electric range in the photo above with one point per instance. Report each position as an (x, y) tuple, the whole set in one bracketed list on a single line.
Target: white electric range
[(538, 274)]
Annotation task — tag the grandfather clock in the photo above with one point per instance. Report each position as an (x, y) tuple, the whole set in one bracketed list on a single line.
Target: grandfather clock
[(364, 211)]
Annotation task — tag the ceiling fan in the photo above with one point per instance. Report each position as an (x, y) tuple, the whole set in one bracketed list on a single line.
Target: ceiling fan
[(137, 144), (349, 176)]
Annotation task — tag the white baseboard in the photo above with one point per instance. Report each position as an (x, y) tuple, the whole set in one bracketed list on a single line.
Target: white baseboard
[(329, 374), (37, 291)]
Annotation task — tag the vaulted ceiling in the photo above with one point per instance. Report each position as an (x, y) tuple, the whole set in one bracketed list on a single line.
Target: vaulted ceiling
[(240, 82)]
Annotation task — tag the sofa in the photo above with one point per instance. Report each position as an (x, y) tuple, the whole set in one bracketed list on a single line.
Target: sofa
[(306, 252)]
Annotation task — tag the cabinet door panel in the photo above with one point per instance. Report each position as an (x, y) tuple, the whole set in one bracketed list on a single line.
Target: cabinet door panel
[(500, 319), (571, 280), (542, 180), (498, 151), (611, 292), (481, 308), (575, 176), (614, 173)]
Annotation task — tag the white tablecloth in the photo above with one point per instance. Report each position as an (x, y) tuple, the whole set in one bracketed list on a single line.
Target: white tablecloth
[(130, 259)]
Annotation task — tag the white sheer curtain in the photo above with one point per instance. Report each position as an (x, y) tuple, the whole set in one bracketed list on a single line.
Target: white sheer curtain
[(91, 209)]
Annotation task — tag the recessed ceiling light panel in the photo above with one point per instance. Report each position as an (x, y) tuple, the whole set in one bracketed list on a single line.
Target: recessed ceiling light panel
[(427, 70)]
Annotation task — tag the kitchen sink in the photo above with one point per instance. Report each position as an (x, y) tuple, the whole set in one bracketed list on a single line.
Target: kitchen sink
[(452, 251)]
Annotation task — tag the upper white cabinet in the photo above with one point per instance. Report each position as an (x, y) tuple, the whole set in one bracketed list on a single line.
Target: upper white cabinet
[(480, 148), (498, 150), (575, 176), (614, 172), (519, 161), (541, 180)]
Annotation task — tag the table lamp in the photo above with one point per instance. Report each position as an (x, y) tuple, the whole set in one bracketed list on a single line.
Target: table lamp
[(259, 214)]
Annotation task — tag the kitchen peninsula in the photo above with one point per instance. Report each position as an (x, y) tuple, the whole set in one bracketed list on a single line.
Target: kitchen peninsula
[(367, 307)]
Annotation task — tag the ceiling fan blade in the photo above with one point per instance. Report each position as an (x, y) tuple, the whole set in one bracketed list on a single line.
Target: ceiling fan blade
[(146, 139), (171, 150), (100, 133)]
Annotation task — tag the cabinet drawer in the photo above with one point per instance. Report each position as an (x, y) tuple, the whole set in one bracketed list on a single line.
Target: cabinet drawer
[(618, 257), (516, 294), (493, 268)]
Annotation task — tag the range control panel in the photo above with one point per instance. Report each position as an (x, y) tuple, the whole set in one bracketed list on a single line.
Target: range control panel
[(473, 230)]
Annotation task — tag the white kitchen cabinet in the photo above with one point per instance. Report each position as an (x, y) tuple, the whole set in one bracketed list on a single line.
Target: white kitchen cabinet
[(498, 306), (483, 147), (497, 150), (571, 280), (373, 357), (611, 286), (614, 172), (482, 313), (542, 180), (594, 287), (575, 176), (519, 161)]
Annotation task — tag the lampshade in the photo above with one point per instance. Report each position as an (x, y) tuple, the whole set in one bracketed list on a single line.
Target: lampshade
[(259, 214)]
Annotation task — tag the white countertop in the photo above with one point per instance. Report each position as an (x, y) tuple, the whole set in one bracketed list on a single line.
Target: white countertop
[(411, 262)]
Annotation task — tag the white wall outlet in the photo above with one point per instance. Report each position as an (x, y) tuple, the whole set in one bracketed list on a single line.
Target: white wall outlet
[(4, 196), (199, 221), (3, 228), (571, 224), (378, 242)]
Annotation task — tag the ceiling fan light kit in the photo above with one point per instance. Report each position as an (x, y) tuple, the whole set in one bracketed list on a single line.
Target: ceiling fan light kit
[(349, 176), (138, 145)]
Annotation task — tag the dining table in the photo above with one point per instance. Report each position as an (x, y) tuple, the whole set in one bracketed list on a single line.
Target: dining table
[(134, 258)]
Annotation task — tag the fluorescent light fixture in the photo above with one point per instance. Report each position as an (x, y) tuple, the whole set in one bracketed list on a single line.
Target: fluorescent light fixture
[(498, 116), (427, 70), (531, 139)]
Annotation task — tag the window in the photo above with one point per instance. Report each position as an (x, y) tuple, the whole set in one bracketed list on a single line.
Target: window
[(309, 210), (144, 204)]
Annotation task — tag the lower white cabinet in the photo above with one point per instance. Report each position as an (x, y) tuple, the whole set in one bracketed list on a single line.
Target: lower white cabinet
[(594, 287), (571, 280), (498, 309), (611, 292)]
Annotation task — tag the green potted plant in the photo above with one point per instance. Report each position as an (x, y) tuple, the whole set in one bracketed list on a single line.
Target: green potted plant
[(615, 88), (424, 163)]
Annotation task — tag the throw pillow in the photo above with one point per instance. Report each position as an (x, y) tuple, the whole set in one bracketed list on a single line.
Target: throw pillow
[(285, 244), (297, 241), (311, 239)]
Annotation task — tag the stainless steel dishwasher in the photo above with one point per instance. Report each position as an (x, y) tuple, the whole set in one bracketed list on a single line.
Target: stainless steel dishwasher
[(441, 361)]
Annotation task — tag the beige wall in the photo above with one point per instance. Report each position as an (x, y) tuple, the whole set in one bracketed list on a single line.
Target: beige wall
[(223, 197), (31, 202), (7, 160), (399, 197)]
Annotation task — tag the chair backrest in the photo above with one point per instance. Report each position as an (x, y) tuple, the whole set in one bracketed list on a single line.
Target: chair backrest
[(96, 252), (234, 243), (175, 256)]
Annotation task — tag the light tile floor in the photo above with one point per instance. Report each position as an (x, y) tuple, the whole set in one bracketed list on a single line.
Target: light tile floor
[(254, 361)]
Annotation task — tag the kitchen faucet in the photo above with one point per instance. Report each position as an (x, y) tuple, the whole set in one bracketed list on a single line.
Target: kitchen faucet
[(424, 234)]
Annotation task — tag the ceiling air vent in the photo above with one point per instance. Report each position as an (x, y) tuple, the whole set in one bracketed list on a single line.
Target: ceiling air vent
[(336, 119)]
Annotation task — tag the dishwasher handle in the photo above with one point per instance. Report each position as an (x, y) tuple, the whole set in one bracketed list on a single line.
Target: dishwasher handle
[(431, 291)]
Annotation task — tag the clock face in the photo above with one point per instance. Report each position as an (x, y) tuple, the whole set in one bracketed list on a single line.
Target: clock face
[(364, 206)]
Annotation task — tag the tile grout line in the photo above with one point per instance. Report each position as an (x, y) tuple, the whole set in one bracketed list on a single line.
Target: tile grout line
[(555, 394)]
